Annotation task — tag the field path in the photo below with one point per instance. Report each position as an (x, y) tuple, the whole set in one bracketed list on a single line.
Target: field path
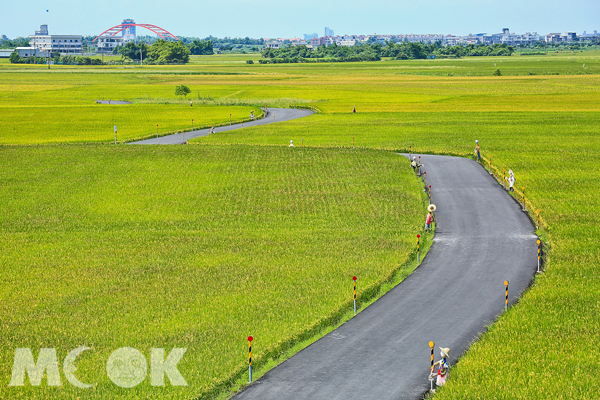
[(482, 238), (273, 115)]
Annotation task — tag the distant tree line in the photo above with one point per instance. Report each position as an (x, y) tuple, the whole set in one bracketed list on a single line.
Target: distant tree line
[(374, 52), (56, 58), (161, 52), (13, 43)]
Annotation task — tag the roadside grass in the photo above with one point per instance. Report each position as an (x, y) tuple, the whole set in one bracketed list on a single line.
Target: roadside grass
[(194, 247)]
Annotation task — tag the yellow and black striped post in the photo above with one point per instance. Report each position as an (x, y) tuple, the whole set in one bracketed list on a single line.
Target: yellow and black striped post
[(425, 180), (523, 198), (506, 296), (539, 243), (504, 177), (354, 279), (250, 339), (490, 165), (410, 153), (429, 194), (156, 130), (418, 248), (538, 219), (431, 345)]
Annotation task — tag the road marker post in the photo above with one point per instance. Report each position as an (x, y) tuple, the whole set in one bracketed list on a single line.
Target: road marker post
[(506, 296), (250, 339), (419, 165), (115, 134), (429, 194), (418, 248), (229, 119), (425, 180), (353, 142), (273, 117), (538, 219), (539, 243), (410, 153), (157, 131), (354, 279), (504, 177), (302, 142), (431, 345), (524, 199), (490, 165)]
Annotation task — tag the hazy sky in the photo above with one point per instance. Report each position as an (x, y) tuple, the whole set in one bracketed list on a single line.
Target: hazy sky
[(270, 18)]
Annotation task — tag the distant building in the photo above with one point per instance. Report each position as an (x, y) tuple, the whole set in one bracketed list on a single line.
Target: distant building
[(43, 30), (5, 53), (128, 33), (44, 45), (30, 51), (347, 42), (309, 36), (273, 44), (553, 38), (107, 43), (316, 42), (329, 32), (300, 43)]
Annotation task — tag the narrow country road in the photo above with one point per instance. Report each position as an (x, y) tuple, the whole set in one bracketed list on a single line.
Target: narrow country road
[(482, 239), (273, 115)]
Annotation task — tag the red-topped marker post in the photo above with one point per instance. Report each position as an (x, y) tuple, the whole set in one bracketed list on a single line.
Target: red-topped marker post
[(157, 130), (429, 194), (418, 248), (250, 339), (354, 279)]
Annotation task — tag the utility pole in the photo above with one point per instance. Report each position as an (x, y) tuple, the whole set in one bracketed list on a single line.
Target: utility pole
[(141, 61)]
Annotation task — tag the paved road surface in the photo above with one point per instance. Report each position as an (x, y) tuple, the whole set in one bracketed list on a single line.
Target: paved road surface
[(482, 239), (273, 115)]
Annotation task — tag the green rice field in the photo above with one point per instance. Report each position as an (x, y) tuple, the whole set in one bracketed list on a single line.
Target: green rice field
[(198, 246)]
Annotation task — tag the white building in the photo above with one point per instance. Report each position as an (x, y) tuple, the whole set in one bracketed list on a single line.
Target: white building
[(5, 53), (274, 44), (107, 43), (25, 52), (64, 44)]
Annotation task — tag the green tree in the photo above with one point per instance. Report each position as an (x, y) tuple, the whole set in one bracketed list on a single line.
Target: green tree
[(497, 72), (14, 58), (182, 90)]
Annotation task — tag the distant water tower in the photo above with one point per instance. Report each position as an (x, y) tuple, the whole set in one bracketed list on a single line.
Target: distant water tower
[(129, 33)]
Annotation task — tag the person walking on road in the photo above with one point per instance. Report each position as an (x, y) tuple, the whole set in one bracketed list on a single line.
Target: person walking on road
[(477, 150), (292, 143), (511, 180), (252, 115), (354, 109)]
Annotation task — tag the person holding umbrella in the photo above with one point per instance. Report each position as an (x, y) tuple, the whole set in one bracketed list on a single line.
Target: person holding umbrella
[(477, 152)]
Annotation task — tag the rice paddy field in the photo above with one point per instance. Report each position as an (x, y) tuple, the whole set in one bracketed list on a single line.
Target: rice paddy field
[(110, 246)]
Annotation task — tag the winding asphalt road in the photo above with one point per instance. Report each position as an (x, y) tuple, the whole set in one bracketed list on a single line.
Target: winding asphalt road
[(482, 239), (273, 115)]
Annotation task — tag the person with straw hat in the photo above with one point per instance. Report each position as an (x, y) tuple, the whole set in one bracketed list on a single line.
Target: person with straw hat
[(429, 220), (477, 150), (442, 373)]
